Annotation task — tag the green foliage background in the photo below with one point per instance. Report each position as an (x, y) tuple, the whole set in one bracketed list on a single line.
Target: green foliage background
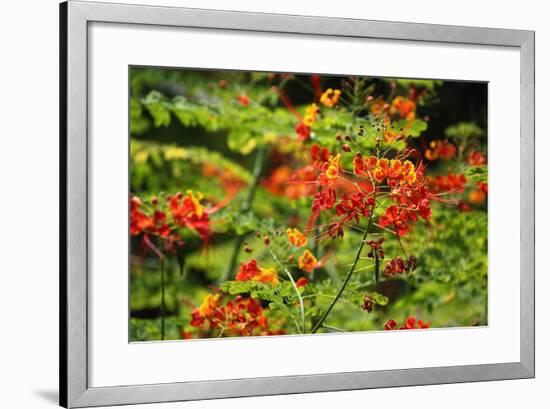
[(181, 120)]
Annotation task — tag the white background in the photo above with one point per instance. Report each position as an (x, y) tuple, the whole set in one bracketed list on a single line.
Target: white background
[(113, 47), (29, 205)]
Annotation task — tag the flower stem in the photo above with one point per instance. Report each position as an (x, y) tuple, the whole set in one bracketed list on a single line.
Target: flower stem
[(245, 207), (161, 257), (344, 283), (376, 266), (300, 300), (333, 328), (163, 299)]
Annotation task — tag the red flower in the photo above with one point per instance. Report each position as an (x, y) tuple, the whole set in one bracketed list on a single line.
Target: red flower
[(449, 183), (251, 271), (410, 323), (318, 154), (390, 325), (302, 282), (398, 266), (376, 249), (239, 317), (142, 223), (351, 206), (302, 130), (440, 149), (243, 100), (368, 303), (324, 200), (396, 218), (187, 211), (476, 158)]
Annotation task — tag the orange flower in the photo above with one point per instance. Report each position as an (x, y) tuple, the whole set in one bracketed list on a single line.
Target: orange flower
[(310, 115), (253, 272), (440, 149), (307, 261), (142, 223), (190, 205), (283, 181), (243, 100), (379, 106), (330, 97), (404, 107), (187, 211), (333, 167), (209, 304), (479, 195), (395, 171), (296, 237), (241, 316)]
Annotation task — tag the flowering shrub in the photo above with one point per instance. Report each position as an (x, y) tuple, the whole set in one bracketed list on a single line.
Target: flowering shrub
[(272, 204)]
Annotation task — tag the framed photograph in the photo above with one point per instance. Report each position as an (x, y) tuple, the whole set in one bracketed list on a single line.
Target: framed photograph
[(259, 204)]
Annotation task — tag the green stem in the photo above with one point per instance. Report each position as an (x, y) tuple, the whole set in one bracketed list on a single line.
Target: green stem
[(376, 266), (333, 328), (245, 207), (163, 299), (300, 300), (344, 283), (161, 257)]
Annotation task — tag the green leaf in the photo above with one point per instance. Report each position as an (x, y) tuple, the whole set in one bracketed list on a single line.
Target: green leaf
[(379, 298), (158, 107), (477, 174), (463, 130), (415, 128)]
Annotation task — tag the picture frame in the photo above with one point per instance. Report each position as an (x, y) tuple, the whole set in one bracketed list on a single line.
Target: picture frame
[(75, 389)]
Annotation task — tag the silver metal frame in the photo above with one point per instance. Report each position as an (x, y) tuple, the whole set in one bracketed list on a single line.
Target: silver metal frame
[(74, 388)]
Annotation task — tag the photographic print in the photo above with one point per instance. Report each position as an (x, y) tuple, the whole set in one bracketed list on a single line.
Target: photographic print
[(292, 204)]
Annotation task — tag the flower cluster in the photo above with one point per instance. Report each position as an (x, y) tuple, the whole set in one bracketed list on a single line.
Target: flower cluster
[(400, 106), (293, 184), (140, 222), (404, 107), (476, 158), (353, 205), (394, 171), (303, 128), (229, 182), (325, 197), (187, 211), (330, 97), (296, 237), (449, 183), (410, 323), (242, 316), (307, 261), (376, 250), (440, 150), (399, 266), (251, 271), (411, 201)]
